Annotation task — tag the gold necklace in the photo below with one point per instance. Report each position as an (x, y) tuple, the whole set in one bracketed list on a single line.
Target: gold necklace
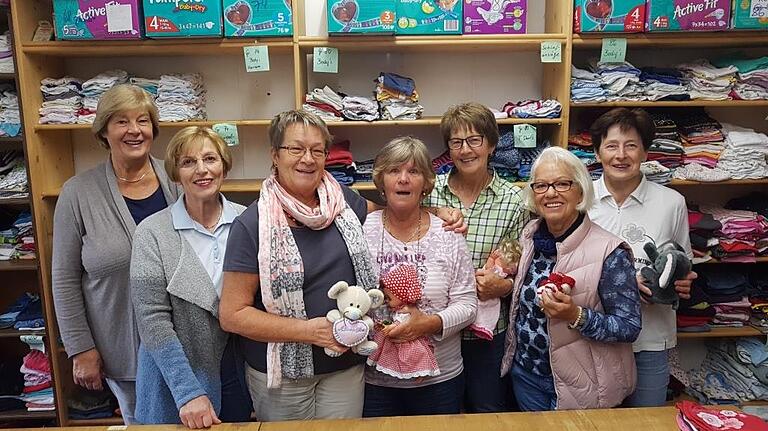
[(132, 181), (414, 235), (210, 226)]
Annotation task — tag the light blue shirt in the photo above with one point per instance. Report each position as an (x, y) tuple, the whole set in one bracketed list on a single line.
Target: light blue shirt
[(209, 246)]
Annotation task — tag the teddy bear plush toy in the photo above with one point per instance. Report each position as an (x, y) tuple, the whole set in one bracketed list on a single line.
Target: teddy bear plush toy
[(351, 325), (670, 263)]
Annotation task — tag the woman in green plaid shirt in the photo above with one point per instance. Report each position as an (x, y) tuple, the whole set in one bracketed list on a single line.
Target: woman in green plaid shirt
[(492, 208)]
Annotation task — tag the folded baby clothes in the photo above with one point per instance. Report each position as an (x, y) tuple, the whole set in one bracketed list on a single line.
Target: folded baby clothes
[(697, 172)]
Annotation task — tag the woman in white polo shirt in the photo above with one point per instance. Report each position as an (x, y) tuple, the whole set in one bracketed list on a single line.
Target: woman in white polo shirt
[(636, 209)]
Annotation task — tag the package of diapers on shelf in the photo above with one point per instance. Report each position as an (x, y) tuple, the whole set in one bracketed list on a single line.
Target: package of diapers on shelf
[(97, 19), (361, 16), (429, 17), (688, 15), (257, 18), (182, 18), (749, 15), (609, 16), (494, 16)]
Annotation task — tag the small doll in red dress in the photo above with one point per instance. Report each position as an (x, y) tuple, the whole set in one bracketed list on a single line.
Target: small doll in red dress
[(411, 359)]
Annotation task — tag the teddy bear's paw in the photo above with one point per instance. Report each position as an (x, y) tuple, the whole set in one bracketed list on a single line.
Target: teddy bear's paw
[(332, 353), (366, 348)]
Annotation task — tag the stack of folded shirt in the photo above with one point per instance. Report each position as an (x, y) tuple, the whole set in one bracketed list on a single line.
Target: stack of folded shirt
[(506, 159), (620, 80), (527, 157), (398, 97), (725, 286), (580, 145), (13, 175), (696, 172), (708, 82), (325, 103), (533, 109), (181, 97), (10, 316), (702, 138), (745, 153), (358, 108), (752, 81), (37, 393), (666, 147), (740, 232), (364, 171), (656, 172), (17, 241), (443, 163), (340, 163), (703, 228), (62, 100), (663, 84), (149, 85), (10, 119), (94, 88), (586, 86), (695, 314), (754, 203), (6, 53)]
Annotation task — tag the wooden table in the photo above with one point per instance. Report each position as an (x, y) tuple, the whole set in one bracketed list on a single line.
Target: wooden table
[(647, 419)]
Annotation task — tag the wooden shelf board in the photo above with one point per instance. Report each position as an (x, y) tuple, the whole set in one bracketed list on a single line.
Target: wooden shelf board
[(7, 76), (13, 333), (759, 259), (726, 183), (165, 124), (746, 331), (466, 43), (11, 140), (94, 422), (15, 415), (171, 47), (18, 265), (678, 40), (435, 121), (238, 186), (685, 104), (14, 201)]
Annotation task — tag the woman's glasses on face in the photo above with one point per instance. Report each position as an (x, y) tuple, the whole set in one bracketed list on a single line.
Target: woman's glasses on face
[(473, 141), (560, 186), (316, 153), (191, 163)]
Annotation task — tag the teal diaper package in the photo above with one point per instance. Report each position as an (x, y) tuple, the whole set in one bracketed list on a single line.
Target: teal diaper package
[(256, 18), (361, 16), (182, 18), (429, 17)]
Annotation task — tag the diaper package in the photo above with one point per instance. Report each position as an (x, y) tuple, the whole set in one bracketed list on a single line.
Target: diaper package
[(182, 18), (749, 15), (256, 18), (494, 16), (610, 16), (361, 16), (688, 15), (97, 19), (429, 17)]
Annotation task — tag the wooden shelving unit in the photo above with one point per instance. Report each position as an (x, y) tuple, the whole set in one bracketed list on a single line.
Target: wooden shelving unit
[(723, 39), (151, 48), (18, 265), (687, 103), (462, 43), (14, 333), (746, 331)]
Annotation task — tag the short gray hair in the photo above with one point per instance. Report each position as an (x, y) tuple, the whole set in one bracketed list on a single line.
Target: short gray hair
[(401, 150), (283, 120), (575, 168)]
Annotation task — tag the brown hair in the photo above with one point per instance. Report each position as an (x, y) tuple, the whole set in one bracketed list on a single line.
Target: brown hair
[(402, 150), (626, 119), (182, 141), (120, 98), (280, 124), (470, 115)]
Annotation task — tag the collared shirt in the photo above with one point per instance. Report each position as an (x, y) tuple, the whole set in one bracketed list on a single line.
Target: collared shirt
[(654, 212), (209, 246), (496, 213)]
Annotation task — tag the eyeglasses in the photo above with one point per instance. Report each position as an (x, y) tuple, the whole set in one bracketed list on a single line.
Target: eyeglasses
[(191, 163), (473, 141), (559, 186), (300, 151)]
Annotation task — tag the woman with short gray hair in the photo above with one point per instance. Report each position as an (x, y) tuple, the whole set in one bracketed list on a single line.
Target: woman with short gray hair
[(569, 344)]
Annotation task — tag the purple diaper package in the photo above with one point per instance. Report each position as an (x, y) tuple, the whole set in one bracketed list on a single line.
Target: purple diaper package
[(687, 15), (97, 19), (494, 16)]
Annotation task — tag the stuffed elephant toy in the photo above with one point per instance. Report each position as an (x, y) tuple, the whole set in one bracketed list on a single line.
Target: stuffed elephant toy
[(670, 263)]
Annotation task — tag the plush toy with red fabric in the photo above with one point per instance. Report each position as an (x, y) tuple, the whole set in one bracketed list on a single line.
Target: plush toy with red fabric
[(556, 282)]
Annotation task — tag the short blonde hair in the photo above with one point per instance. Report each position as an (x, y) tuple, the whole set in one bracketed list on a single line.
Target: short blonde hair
[(283, 120), (121, 98), (401, 150), (575, 168), (184, 139)]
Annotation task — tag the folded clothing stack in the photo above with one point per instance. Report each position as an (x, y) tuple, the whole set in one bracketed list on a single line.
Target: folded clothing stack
[(20, 311), (746, 153), (364, 171), (86, 404), (621, 81), (708, 82), (506, 159), (149, 85), (325, 103), (752, 83), (358, 108), (703, 140), (443, 163), (38, 392), (527, 157), (340, 163), (94, 88), (740, 234), (586, 86), (666, 147), (530, 108), (656, 172), (663, 84), (6, 53), (62, 100), (10, 119), (181, 97), (580, 144), (397, 97), (13, 175), (17, 241)]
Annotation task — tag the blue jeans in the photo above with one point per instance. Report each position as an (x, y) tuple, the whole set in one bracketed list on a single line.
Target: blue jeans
[(236, 403), (534, 393), (439, 399), (485, 391), (652, 380)]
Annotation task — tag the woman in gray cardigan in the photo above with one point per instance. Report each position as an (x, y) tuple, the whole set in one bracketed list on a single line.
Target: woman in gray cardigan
[(176, 271), (96, 215)]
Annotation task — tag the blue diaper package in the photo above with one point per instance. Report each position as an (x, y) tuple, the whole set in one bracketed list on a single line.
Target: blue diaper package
[(255, 18)]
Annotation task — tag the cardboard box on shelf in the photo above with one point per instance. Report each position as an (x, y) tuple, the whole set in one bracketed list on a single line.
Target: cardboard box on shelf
[(182, 18), (97, 19), (256, 18), (609, 16), (361, 16), (688, 15), (749, 15), (495, 16), (429, 17)]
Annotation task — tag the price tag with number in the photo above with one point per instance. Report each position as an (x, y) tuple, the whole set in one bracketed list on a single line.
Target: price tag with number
[(256, 58), (614, 50), (551, 52), (525, 136), (326, 60)]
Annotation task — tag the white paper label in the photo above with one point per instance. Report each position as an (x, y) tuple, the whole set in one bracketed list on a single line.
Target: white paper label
[(119, 18), (758, 9)]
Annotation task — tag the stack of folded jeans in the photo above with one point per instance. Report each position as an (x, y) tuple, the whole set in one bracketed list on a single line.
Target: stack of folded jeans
[(506, 159), (586, 86), (94, 88), (6, 53), (10, 119), (62, 100), (708, 82), (340, 163), (38, 392), (181, 97), (325, 103), (746, 153), (358, 108), (621, 81), (397, 97), (663, 84), (530, 108)]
